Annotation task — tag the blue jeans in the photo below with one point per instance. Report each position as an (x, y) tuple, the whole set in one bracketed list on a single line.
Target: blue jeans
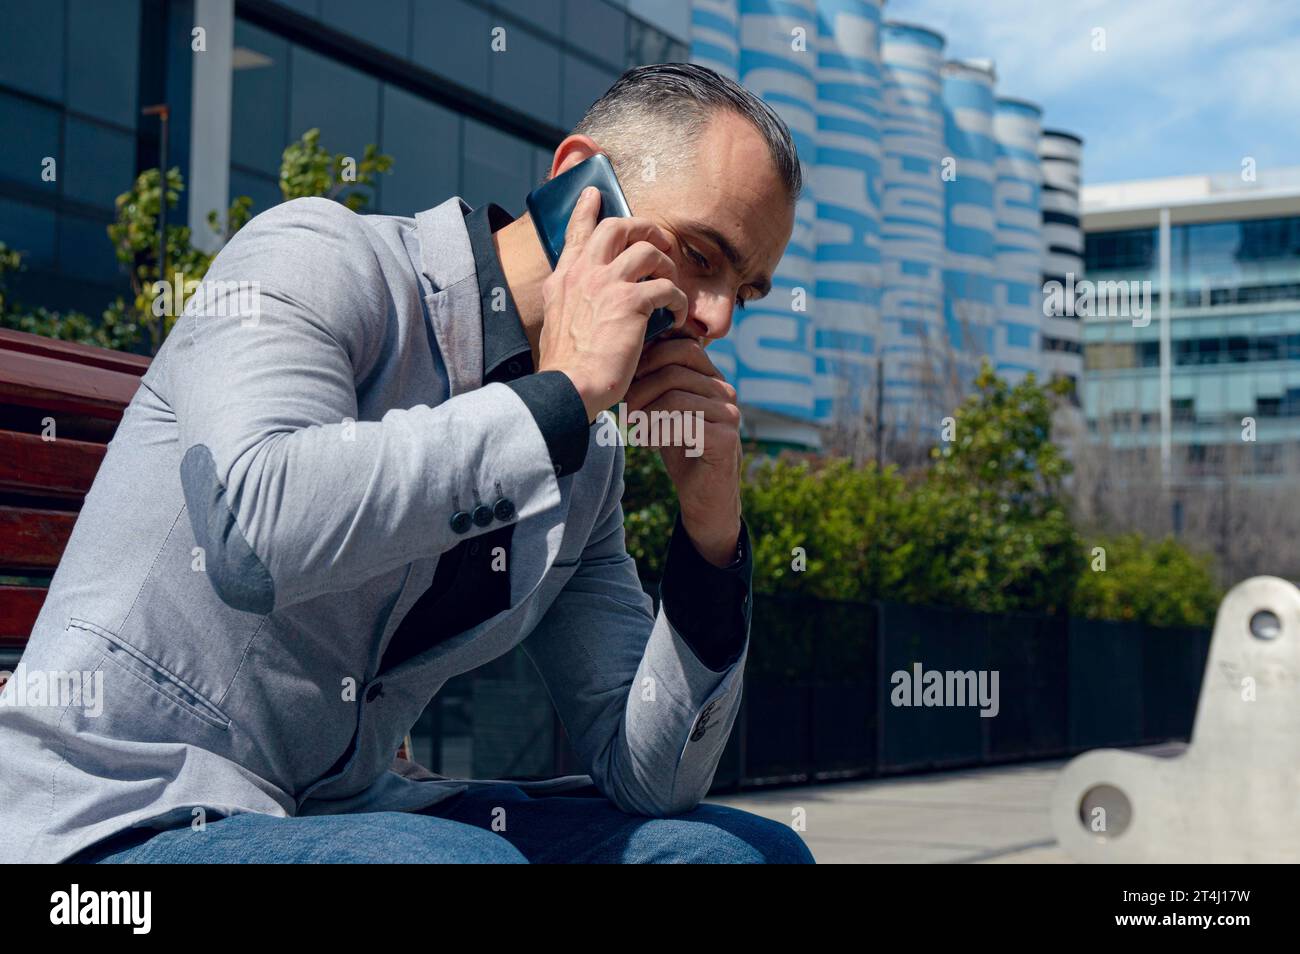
[(487, 824)]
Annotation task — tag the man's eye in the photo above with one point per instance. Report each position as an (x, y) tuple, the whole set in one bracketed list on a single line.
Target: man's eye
[(696, 257)]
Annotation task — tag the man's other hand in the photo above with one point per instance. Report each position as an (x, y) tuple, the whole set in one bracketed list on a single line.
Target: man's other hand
[(675, 374)]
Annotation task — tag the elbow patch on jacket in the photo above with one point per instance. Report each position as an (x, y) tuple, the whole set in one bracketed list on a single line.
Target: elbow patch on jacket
[(236, 573)]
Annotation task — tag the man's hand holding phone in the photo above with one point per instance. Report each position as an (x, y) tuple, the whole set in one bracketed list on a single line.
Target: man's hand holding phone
[(597, 305), (610, 276)]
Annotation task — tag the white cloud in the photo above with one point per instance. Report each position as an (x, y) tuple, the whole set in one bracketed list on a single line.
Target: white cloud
[(1177, 76)]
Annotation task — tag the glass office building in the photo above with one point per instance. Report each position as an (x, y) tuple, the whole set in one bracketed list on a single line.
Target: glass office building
[(72, 82), (1234, 301), (420, 79)]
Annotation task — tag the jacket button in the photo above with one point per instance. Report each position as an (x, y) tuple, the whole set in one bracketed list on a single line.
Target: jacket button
[(460, 521), (374, 692), (504, 509), (482, 515)]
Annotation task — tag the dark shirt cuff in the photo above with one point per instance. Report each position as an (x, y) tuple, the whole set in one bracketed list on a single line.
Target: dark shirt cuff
[(560, 414), (708, 605)]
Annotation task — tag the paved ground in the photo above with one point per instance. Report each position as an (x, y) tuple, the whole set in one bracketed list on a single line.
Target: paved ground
[(987, 815)]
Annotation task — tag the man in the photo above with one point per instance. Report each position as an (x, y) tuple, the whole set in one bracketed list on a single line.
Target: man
[(386, 473)]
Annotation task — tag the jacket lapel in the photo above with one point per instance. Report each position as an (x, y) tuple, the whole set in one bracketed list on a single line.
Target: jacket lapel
[(447, 260)]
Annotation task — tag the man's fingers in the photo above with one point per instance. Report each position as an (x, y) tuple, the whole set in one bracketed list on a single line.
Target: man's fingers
[(661, 293), (643, 260), (668, 351), (611, 236), (649, 389), (582, 223), (714, 411)]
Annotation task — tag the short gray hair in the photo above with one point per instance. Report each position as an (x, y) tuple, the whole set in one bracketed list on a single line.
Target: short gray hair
[(647, 102)]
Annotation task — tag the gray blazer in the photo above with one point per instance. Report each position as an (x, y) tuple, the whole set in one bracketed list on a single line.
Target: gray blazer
[(275, 500)]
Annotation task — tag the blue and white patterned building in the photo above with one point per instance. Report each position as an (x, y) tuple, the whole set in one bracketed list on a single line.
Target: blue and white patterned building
[(846, 185), (1018, 255), (912, 218), (968, 173), (926, 226)]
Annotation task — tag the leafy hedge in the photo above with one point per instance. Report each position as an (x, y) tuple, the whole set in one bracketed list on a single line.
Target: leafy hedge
[(1153, 581), (985, 527)]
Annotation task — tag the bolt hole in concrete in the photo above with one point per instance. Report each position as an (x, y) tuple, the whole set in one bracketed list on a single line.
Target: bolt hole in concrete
[(1265, 625), (1105, 811)]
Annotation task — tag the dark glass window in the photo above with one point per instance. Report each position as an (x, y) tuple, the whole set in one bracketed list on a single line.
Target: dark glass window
[(259, 128), (424, 141), (526, 75), (310, 8), (104, 43), (341, 102), (21, 156), (498, 167), (30, 230), (31, 47), (84, 250), (1268, 348), (453, 39), (381, 23), (1128, 249), (99, 163), (1266, 239), (583, 85), (1206, 351), (597, 29), (543, 14)]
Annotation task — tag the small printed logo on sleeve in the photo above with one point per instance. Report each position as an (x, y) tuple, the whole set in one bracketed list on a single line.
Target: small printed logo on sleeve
[(702, 724)]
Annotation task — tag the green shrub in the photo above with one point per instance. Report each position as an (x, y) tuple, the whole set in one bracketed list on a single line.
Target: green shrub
[(1159, 582)]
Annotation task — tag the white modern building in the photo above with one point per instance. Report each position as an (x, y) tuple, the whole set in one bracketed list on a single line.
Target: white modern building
[(1218, 363)]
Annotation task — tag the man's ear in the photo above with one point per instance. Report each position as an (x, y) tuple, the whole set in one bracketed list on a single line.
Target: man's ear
[(574, 149)]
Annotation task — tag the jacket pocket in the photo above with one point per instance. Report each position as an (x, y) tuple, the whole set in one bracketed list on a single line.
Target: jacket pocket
[(157, 677)]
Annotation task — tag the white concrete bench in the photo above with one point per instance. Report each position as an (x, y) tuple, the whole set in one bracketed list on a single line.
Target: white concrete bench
[(1234, 795)]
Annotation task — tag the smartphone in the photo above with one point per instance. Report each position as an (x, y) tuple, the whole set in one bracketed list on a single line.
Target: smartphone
[(551, 204)]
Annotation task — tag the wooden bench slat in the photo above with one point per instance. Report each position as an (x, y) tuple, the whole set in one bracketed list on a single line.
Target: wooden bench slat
[(33, 380), (58, 468), (32, 539), (19, 607), (75, 353)]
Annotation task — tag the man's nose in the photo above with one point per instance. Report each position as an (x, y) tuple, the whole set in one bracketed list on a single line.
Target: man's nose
[(710, 316)]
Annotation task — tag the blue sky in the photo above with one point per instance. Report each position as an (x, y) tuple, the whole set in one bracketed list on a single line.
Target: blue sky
[(1183, 87)]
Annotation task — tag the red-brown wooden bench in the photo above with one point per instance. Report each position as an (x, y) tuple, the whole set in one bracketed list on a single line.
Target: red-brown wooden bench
[(74, 394), (59, 406)]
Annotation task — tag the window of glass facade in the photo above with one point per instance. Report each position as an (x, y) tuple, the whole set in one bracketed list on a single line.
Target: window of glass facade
[(560, 56), (1212, 263), (259, 127), (69, 92), (70, 79)]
